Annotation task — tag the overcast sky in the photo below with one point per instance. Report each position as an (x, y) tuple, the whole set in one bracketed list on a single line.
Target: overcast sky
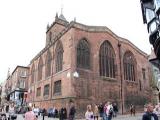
[(23, 25)]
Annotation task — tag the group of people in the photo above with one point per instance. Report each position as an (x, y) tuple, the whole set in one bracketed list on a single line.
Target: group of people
[(10, 109), (31, 114), (104, 111), (151, 113)]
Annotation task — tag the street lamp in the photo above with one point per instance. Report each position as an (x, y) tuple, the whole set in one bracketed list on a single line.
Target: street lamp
[(73, 75), (151, 17)]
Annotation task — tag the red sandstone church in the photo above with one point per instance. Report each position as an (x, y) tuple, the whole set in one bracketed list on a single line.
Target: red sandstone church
[(87, 65)]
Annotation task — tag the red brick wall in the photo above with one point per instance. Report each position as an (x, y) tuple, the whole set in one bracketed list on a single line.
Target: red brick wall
[(90, 87)]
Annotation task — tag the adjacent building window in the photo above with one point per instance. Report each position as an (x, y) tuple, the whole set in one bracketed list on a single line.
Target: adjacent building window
[(59, 57), (38, 92), (48, 64), (22, 84), (144, 73), (23, 73), (83, 54), (57, 87), (40, 68), (32, 74), (107, 60), (46, 90), (129, 66)]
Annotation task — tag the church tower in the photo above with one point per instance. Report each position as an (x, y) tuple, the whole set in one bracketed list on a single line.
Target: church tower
[(55, 29)]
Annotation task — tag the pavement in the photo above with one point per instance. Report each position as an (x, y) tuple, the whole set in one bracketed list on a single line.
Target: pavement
[(138, 116)]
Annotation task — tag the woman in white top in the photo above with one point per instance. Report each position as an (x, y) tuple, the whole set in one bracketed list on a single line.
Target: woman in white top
[(11, 109), (12, 114), (89, 113)]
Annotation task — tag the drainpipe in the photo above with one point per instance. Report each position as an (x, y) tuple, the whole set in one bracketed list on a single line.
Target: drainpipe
[(121, 86), (51, 87)]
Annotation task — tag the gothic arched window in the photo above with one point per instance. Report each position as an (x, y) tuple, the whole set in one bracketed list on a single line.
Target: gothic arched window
[(40, 68), (129, 66), (83, 54), (50, 36), (48, 64), (59, 57), (33, 74), (107, 60)]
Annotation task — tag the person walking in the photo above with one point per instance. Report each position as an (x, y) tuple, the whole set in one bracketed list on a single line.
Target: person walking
[(30, 115), (110, 114), (12, 114), (105, 114), (96, 112), (72, 112), (149, 115), (132, 110), (115, 110), (89, 113), (101, 110)]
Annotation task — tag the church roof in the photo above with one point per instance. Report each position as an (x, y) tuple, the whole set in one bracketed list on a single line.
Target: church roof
[(73, 24)]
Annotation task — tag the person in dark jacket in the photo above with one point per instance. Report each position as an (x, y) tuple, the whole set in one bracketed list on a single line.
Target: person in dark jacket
[(72, 112), (149, 115), (56, 113), (115, 110), (101, 109), (63, 113)]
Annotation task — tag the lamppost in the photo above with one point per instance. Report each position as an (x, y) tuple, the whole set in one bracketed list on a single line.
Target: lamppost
[(151, 17)]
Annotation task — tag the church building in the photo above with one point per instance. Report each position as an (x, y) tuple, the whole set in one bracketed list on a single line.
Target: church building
[(88, 65)]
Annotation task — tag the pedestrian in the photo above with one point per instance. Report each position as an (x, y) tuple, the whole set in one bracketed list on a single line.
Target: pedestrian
[(36, 111), (149, 115), (63, 113), (30, 115), (96, 112), (12, 114), (157, 109), (108, 111), (101, 110), (105, 116), (56, 113), (115, 110), (43, 113), (132, 110), (145, 108), (72, 111), (89, 113), (7, 108), (110, 114)]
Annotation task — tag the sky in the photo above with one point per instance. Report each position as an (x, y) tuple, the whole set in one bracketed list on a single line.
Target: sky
[(23, 25)]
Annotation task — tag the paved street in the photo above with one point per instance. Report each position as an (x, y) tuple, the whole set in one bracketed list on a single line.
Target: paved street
[(120, 117)]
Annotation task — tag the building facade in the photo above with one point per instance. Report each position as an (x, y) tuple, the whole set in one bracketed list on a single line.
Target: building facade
[(17, 85), (3, 94), (87, 65)]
